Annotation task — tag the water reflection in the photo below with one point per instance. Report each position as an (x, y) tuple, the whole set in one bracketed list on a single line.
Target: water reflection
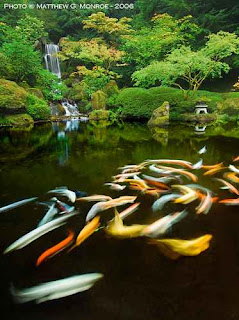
[(200, 129)]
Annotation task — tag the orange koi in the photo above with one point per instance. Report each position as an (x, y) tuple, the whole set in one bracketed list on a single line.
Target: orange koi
[(232, 176), (214, 166), (232, 202), (86, 231), (55, 249), (213, 171)]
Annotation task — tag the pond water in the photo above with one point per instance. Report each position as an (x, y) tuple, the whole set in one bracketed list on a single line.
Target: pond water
[(139, 282)]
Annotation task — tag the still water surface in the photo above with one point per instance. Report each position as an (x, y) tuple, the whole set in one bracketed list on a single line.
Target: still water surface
[(139, 282)]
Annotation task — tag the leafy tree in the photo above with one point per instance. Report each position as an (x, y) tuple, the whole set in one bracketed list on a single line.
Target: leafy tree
[(23, 63), (94, 51), (153, 43), (30, 28), (106, 26), (185, 66)]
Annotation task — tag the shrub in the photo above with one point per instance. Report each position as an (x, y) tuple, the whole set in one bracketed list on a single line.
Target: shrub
[(37, 108), (140, 102)]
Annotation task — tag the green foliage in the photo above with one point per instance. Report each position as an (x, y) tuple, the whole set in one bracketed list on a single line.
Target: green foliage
[(99, 115), (52, 89), (30, 29), (140, 102), (154, 42), (37, 108), (107, 26), (23, 63), (17, 120), (11, 95), (191, 67)]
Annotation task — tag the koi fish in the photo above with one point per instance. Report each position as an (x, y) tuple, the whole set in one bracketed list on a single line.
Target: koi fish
[(140, 183), (129, 210), (233, 168), (101, 206), (163, 224), (95, 197), (213, 171), (165, 180), (87, 231), (155, 182), (189, 194), (214, 166), (64, 192), (230, 202), (55, 249), (17, 204), (205, 204), (49, 215), (229, 185), (158, 204), (189, 175), (125, 175), (182, 163), (236, 159), (38, 232), (197, 165), (115, 186), (231, 176), (174, 248), (203, 150), (116, 228), (56, 289)]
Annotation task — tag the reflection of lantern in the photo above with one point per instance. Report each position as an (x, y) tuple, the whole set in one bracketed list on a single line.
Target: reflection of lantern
[(201, 108), (200, 129)]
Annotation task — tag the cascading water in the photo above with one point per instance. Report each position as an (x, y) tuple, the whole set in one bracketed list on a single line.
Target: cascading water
[(53, 65), (51, 59)]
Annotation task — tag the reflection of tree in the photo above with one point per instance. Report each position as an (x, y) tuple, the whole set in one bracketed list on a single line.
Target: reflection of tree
[(18, 144)]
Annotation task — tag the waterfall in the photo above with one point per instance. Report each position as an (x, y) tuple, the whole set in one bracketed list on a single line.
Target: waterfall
[(53, 65), (70, 109), (51, 59)]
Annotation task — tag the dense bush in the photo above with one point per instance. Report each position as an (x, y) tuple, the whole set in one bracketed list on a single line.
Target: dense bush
[(140, 102), (37, 108)]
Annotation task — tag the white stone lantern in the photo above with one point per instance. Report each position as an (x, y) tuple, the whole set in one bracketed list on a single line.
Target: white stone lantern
[(201, 108)]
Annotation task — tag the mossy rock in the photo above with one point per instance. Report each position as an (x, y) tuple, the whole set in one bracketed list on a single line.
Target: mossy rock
[(99, 115), (17, 120), (78, 92), (99, 100), (111, 88), (36, 92), (160, 116), (12, 97), (229, 106)]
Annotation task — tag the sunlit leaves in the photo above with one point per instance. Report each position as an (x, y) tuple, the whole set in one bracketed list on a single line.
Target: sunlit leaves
[(183, 65), (103, 24)]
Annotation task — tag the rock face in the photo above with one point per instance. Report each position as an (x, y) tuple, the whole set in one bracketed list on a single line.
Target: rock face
[(99, 100), (160, 116), (36, 92), (111, 88), (12, 97), (99, 115)]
